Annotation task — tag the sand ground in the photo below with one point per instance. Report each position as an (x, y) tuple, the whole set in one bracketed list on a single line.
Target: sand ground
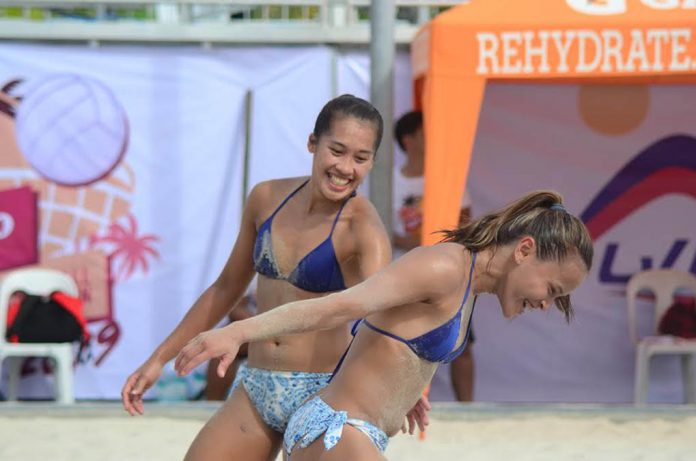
[(468, 432)]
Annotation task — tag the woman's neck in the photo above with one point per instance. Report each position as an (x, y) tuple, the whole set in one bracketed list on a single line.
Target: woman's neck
[(313, 201), (488, 269)]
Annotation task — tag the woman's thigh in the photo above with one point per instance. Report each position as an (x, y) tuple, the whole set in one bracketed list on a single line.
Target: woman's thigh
[(353, 445), (235, 432)]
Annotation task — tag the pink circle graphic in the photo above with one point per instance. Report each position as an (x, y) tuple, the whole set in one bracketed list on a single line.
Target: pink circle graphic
[(71, 128)]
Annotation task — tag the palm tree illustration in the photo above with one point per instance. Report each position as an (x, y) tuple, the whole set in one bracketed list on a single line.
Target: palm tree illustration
[(130, 250)]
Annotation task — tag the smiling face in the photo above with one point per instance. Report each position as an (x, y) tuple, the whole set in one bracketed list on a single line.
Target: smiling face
[(343, 156), (531, 283)]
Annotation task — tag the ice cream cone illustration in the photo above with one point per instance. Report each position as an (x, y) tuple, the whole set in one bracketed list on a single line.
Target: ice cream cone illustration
[(65, 136)]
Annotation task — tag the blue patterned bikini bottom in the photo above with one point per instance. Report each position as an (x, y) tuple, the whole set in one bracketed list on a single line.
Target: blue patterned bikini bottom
[(277, 394), (316, 417)]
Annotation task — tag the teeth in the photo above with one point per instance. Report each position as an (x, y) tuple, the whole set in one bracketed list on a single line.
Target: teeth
[(338, 181)]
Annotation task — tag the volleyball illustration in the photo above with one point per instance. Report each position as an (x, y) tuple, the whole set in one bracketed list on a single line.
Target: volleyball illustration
[(71, 128), (68, 214), (83, 187)]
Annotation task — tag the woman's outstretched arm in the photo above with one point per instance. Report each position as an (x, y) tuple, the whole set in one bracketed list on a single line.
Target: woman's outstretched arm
[(422, 275)]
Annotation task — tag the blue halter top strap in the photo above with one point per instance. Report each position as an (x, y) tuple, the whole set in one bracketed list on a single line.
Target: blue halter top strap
[(437, 345), (285, 200)]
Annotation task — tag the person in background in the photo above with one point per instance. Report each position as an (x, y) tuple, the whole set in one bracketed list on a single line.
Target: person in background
[(407, 193)]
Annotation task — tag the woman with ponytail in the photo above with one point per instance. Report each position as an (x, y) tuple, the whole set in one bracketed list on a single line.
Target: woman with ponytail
[(413, 315)]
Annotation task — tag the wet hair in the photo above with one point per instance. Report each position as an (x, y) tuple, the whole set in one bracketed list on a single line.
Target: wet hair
[(540, 215), (348, 105), (407, 124)]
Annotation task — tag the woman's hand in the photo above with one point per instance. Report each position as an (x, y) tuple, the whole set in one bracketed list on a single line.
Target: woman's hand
[(220, 343), (136, 385), (418, 416)]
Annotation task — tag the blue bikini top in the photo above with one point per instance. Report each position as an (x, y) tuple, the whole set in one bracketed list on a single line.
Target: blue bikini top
[(436, 345), (318, 271)]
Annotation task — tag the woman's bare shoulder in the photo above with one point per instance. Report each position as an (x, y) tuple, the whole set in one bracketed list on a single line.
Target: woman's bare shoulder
[(443, 265), (359, 209), (441, 256), (364, 221), (269, 190)]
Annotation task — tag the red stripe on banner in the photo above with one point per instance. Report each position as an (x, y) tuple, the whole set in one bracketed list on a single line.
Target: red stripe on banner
[(667, 181)]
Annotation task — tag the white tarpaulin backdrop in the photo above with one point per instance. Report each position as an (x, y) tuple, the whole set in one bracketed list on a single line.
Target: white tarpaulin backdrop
[(185, 110)]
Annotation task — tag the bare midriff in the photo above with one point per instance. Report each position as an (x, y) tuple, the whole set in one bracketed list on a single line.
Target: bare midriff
[(314, 352), (368, 390)]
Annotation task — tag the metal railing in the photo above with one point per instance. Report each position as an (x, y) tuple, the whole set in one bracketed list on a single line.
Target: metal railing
[(208, 21)]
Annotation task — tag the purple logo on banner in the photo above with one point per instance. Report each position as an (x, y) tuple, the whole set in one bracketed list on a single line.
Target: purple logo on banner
[(666, 167), (18, 227)]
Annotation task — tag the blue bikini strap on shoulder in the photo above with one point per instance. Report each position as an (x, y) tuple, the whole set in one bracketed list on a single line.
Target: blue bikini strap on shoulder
[(338, 215), (290, 195)]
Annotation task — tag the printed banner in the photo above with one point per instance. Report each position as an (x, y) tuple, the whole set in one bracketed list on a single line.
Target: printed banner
[(137, 157), (624, 158), (18, 227), (146, 216)]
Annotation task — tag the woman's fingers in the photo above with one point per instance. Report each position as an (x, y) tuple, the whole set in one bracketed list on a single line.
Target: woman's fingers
[(422, 418), (225, 362), (127, 395), (188, 351), (193, 354), (214, 344), (411, 423), (425, 402), (191, 358), (132, 394)]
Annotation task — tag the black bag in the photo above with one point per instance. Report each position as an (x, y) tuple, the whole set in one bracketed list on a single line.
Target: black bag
[(43, 320)]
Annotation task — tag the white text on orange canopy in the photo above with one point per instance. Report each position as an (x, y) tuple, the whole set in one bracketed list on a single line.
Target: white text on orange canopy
[(614, 7), (585, 51)]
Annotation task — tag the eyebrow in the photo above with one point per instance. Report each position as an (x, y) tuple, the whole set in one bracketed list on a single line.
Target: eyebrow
[(362, 151)]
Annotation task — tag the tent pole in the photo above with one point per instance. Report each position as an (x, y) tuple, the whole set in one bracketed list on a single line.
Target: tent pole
[(248, 105), (382, 57)]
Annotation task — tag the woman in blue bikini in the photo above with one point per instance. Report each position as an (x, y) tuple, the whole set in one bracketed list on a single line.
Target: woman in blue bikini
[(305, 237), (531, 255)]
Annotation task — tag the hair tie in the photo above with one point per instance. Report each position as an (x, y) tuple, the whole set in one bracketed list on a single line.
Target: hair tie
[(557, 206)]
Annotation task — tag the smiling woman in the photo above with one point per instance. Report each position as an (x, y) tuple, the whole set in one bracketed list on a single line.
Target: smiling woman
[(305, 237), (414, 315)]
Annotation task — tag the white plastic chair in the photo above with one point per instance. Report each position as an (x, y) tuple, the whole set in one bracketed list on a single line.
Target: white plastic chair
[(41, 282), (663, 283)]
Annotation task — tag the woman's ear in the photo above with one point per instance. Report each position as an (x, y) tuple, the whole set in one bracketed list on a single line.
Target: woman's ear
[(525, 248), (312, 143)]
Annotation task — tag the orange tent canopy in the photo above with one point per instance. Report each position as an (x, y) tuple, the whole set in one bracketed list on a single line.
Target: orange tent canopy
[(459, 51)]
